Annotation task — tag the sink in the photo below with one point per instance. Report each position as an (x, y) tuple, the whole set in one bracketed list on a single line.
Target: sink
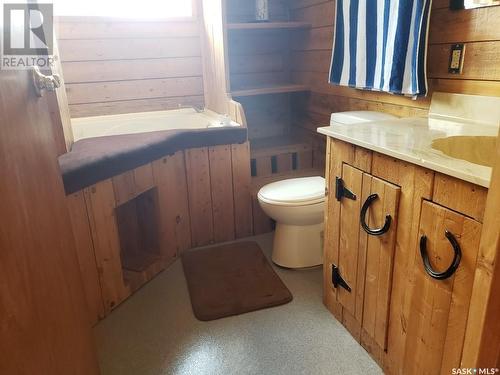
[(475, 149)]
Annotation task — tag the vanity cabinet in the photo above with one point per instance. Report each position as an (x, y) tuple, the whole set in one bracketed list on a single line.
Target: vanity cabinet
[(380, 213)]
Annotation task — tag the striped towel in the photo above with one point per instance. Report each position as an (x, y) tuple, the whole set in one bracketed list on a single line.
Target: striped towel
[(381, 45)]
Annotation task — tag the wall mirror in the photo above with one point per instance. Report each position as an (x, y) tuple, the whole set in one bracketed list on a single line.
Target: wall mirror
[(471, 4)]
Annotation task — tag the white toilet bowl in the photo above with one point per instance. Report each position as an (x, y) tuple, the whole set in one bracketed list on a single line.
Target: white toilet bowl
[(297, 205)]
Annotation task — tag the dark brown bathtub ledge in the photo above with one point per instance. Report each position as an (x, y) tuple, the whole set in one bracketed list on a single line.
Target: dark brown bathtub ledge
[(96, 159)]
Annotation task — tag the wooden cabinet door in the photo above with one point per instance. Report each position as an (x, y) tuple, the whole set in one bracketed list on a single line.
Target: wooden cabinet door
[(366, 260), (377, 257), (349, 238), (439, 308)]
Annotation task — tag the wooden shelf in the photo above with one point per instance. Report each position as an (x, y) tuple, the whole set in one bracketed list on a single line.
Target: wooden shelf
[(270, 146), (268, 25), (269, 89)]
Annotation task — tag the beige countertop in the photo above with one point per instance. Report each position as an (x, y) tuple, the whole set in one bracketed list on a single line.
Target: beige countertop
[(411, 140)]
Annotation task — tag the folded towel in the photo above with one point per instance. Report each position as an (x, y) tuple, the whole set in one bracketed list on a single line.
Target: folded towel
[(381, 45)]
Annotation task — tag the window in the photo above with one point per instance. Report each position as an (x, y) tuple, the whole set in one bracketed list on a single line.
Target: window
[(124, 9)]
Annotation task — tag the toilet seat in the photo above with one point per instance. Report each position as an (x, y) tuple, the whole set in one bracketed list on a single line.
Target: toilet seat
[(302, 191)]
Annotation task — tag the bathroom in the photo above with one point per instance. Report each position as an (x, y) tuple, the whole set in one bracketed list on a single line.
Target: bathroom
[(250, 187)]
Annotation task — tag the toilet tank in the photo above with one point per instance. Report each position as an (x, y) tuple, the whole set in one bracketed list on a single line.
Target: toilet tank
[(355, 117)]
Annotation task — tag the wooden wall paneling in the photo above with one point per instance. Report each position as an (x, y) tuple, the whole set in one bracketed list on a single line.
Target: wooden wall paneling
[(101, 92), (263, 166), (477, 28), (481, 24), (240, 154), (101, 204), (175, 225), (200, 200), (135, 105), (128, 49), (284, 163), (75, 28), (86, 255), (482, 339), (459, 195), (439, 308), (121, 65), (124, 70), (221, 186), (477, 61), (416, 184), (255, 44)]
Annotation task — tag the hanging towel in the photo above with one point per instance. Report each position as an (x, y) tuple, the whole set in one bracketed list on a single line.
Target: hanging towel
[(381, 45)]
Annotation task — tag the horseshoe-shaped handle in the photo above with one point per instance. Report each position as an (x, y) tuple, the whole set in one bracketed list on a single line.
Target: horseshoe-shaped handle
[(454, 265), (362, 218)]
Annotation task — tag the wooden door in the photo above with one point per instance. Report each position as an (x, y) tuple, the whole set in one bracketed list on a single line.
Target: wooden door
[(439, 307), (366, 260), (43, 315)]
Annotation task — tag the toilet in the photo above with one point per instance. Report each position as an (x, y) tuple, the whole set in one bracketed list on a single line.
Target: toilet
[(297, 205)]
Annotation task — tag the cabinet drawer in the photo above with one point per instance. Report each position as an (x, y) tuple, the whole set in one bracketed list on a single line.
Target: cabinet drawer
[(439, 307)]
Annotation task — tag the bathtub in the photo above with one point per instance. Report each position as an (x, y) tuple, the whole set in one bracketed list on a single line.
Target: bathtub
[(144, 122)]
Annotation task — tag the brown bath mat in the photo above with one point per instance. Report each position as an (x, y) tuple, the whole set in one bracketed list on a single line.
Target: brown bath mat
[(231, 279)]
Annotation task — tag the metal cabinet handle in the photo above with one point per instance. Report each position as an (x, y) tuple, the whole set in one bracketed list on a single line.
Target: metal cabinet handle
[(44, 82), (454, 265), (362, 218)]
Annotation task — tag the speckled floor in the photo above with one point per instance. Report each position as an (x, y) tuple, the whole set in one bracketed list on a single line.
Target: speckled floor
[(155, 332)]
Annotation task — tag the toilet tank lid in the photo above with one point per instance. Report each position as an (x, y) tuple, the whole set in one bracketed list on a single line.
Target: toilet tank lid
[(294, 190), (356, 117)]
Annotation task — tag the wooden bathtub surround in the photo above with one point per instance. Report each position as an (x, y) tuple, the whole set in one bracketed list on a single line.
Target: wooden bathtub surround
[(409, 322), (132, 226)]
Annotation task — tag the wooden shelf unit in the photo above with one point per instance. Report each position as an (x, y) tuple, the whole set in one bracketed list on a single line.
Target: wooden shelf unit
[(281, 155), (268, 25), (270, 89), (259, 73)]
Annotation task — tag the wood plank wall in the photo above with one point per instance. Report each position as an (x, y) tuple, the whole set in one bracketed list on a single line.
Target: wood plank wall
[(116, 66), (479, 29)]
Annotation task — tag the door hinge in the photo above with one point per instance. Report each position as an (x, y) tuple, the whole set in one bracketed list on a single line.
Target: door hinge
[(341, 191), (337, 280)]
